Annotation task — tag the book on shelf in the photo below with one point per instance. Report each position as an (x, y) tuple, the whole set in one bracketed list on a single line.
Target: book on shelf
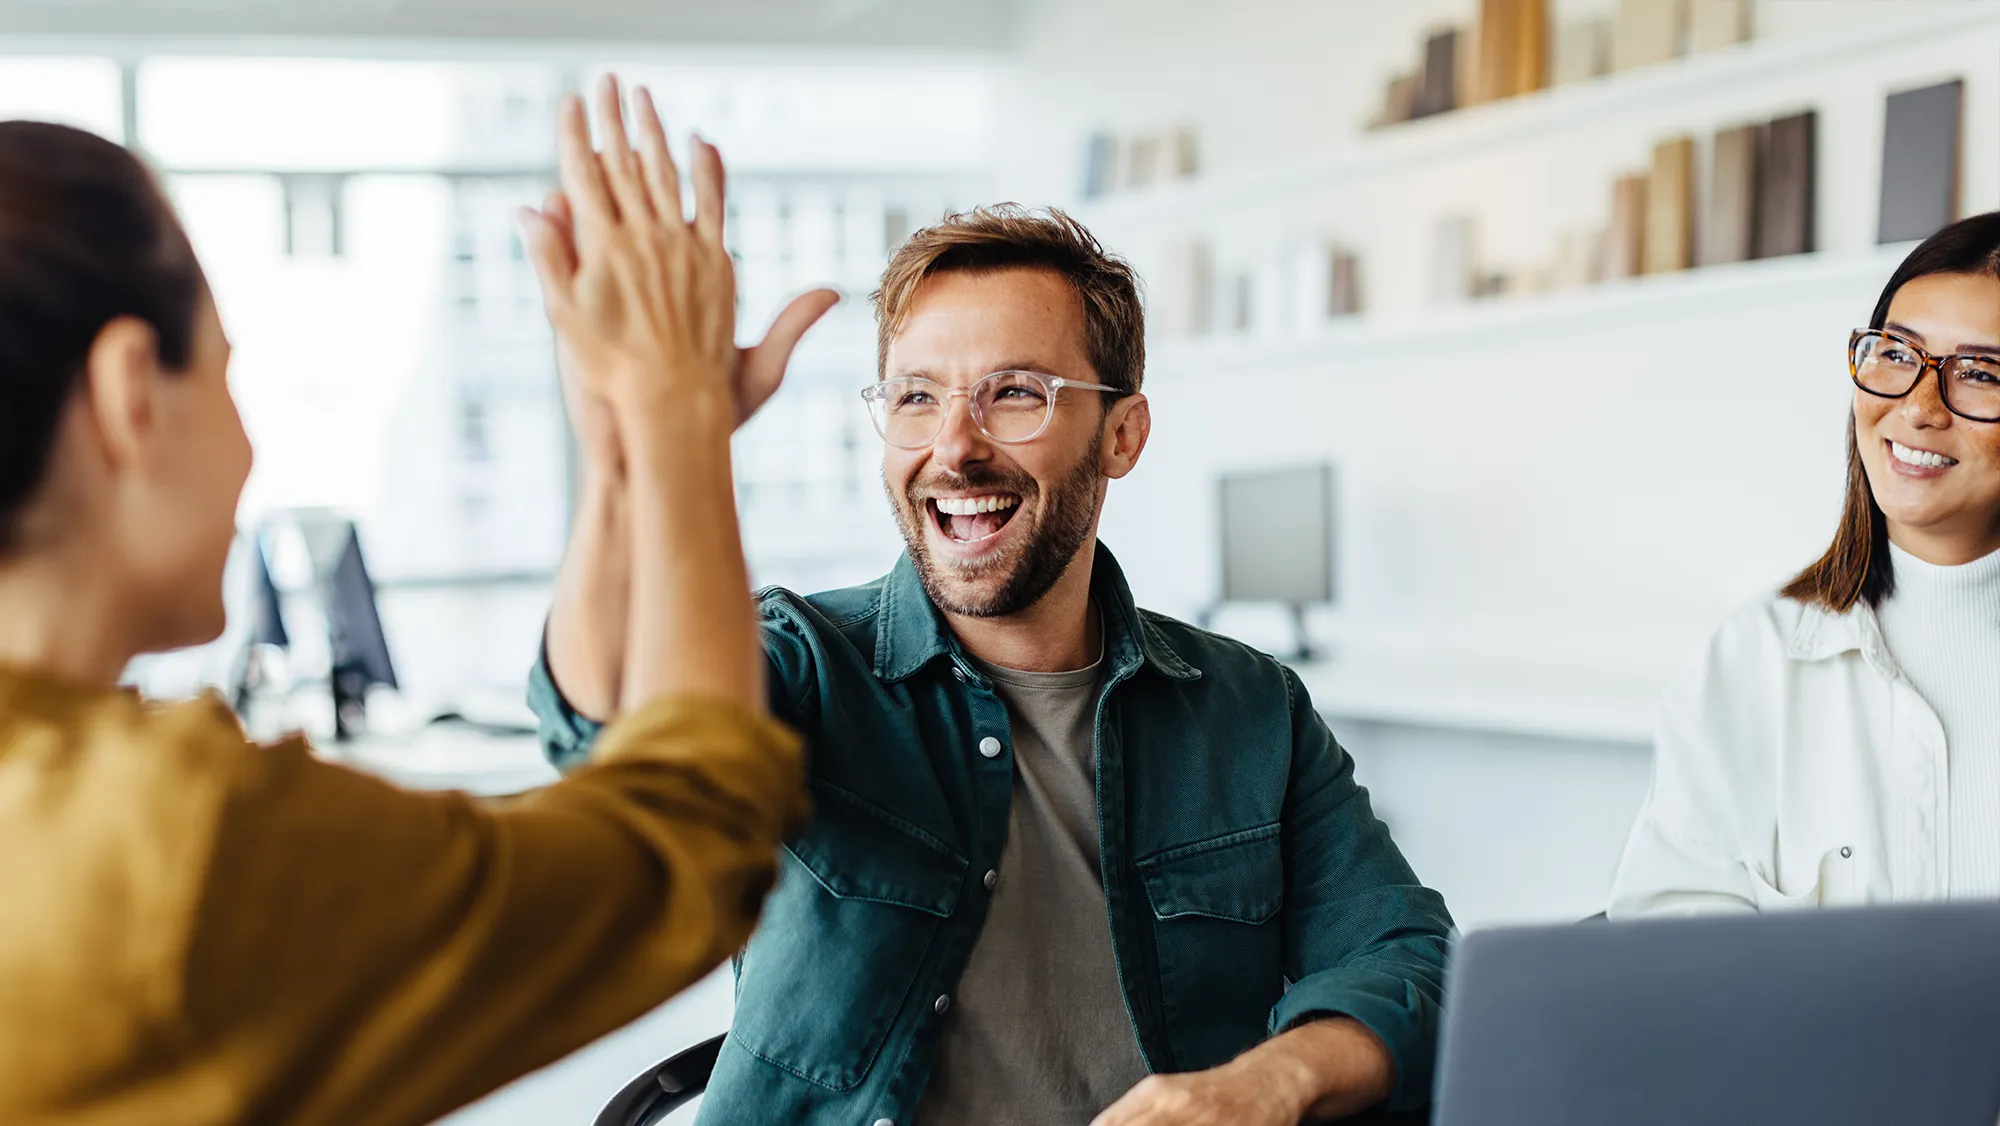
[(1186, 293), (1513, 49), (1344, 290), (1715, 24), (1921, 151), (1184, 151), (1142, 162), (1670, 207), (1729, 230), (1582, 51), (1786, 208), (1399, 101), (1100, 165), (1454, 260), (1437, 90), (1647, 32), (1625, 242)]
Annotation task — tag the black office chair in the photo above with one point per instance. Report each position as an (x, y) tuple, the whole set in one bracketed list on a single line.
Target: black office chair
[(667, 1086), (663, 1088)]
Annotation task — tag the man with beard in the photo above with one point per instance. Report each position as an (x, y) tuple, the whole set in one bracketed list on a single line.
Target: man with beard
[(1069, 858)]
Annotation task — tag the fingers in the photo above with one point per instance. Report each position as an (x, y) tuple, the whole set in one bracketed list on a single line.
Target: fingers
[(708, 192), (621, 164), (582, 175), (764, 364), (663, 178)]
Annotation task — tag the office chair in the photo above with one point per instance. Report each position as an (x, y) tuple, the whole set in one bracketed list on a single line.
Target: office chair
[(667, 1086), (663, 1088)]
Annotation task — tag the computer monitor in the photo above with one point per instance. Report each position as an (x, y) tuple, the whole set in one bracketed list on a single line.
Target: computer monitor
[(1278, 540), (358, 649)]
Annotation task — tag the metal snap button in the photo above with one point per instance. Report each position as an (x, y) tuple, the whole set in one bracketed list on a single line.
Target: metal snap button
[(1846, 852)]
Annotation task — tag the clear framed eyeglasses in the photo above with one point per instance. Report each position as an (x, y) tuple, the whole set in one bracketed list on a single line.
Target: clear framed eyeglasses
[(1010, 407)]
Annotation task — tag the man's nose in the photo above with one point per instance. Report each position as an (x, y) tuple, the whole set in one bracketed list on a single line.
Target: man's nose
[(959, 441)]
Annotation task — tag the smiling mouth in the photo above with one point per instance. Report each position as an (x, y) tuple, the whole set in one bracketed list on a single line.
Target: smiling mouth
[(1920, 459), (972, 520)]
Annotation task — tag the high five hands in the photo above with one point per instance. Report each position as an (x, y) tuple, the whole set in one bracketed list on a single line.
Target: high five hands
[(641, 297)]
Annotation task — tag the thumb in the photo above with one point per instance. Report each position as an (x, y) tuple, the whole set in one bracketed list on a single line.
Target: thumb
[(550, 253), (764, 363)]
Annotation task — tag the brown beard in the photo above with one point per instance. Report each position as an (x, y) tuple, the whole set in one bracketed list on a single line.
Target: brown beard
[(1062, 526)]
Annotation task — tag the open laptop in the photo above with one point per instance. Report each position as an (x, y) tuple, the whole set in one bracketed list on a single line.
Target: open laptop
[(1864, 1017)]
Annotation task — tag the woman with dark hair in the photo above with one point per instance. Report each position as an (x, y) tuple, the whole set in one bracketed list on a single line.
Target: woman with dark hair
[(195, 930), (1840, 741)]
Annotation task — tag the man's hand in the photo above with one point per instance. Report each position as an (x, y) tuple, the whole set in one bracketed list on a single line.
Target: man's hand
[(759, 368), (1326, 1069)]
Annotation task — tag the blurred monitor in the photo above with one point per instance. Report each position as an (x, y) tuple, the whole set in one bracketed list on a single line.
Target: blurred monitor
[(1277, 540), (357, 647)]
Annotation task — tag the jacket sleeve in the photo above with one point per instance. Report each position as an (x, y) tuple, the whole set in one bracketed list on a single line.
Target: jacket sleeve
[(567, 735), (1363, 938), (1683, 856), (362, 953)]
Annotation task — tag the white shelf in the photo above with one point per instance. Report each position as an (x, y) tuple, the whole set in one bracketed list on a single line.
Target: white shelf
[(1684, 293), (1598, 703), (1408, 147)]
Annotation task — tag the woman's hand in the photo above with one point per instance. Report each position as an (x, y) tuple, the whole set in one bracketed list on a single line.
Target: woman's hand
[(649, 189), (643, 301)]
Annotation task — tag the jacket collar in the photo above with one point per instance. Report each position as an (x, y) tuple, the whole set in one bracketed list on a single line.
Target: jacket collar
[(912, 633), (1822, 634)]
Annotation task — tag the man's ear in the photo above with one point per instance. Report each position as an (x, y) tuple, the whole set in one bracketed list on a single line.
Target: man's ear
[(121, 378), (1125, 433)]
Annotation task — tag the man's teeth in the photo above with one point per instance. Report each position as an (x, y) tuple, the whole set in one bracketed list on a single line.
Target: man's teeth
[(974, 506), (1921, 458)]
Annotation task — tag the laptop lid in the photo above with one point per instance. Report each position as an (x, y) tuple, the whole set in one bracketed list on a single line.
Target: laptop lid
[(1833, 1018)]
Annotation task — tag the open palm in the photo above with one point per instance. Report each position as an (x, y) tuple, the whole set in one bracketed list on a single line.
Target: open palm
[(760, 368)]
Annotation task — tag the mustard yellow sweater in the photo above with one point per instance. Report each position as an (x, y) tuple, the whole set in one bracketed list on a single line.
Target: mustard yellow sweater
[(198, 930)]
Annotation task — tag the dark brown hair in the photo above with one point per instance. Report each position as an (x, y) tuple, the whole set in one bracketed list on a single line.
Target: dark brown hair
[(86, 236), (1856, 567), (1006, 236)]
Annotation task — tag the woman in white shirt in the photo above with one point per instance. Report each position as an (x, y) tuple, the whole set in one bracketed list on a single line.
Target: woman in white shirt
[(1839, 743)]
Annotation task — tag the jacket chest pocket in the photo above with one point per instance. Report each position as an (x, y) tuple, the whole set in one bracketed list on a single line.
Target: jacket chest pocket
[(1219, 934), (841, 943)]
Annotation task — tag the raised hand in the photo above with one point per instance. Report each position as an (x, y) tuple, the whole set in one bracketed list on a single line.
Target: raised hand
[(756, 372), (643, 302)]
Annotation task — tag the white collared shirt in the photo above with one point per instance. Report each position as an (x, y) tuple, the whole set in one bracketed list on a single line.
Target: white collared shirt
[(1796, 766)]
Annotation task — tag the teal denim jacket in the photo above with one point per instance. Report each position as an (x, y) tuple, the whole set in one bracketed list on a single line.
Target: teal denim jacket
[(1249, 885)]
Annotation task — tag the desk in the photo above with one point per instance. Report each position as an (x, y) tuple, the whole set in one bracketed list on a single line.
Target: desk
[(449, 757), (1605, 702)]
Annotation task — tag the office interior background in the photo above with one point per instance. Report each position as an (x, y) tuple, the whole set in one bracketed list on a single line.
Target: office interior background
[(1524, 435)]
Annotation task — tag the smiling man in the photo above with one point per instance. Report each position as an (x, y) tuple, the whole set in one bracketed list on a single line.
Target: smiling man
[(1071, 861)]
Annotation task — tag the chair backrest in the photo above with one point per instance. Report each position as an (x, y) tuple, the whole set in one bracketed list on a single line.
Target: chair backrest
[(663, 1088)]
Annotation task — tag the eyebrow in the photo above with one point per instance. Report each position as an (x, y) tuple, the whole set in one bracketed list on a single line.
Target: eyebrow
[(1992, 350), (1013, 365)]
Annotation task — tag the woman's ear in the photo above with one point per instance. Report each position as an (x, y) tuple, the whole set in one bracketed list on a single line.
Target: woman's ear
[(121, 378), (1125, 434)]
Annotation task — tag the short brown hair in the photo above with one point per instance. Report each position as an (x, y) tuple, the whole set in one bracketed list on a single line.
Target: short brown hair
[(1856, 568), (1009, 236)]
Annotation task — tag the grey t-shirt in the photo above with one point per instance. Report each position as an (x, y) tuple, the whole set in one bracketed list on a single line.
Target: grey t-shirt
[(1038, 1030)]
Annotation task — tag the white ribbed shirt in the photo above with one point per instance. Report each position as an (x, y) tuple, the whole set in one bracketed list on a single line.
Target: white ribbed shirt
[(1942, 627)]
